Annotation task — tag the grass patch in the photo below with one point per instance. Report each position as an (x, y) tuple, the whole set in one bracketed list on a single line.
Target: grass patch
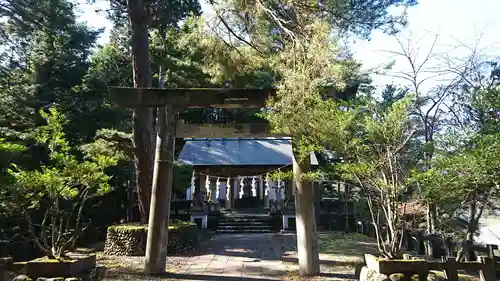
[(294, 275), (341, 243), (353, 244)]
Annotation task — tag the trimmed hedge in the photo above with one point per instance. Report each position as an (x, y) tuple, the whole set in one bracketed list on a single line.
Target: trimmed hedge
[(130, 239)]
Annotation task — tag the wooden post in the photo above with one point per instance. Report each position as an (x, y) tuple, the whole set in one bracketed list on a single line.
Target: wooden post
[(156, 246), (487, 272), (491, 250), (267, 193), (408, 240), (450, 268), (305, 219), (448, 246), (229, 194), (261, 190), (346, 209), (420, 243)]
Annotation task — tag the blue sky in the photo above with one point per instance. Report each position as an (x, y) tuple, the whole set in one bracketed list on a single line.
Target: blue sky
[(457, 22)]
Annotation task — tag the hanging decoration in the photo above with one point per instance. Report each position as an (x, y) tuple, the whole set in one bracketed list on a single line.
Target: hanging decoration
[(217, 193), (207, 187), (266, 189), (228, 188), (193, 184), (254, 187), (242, 185)]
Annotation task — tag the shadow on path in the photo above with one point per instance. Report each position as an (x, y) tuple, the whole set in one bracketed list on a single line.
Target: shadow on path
[(242, 257)]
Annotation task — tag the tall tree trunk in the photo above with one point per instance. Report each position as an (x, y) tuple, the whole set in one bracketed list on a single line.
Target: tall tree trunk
[(472, 224), (305, 219), (431, 207), (431, 218), (142, 119), (431, 225), (156, 247)]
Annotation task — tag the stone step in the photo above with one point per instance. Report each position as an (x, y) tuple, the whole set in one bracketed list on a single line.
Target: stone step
[(243, 223), (244, 219), (244, 227), (244, 231)]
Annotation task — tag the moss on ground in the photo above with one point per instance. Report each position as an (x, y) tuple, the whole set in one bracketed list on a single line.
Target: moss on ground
[(131, 227), (176, 224), (52, 260)]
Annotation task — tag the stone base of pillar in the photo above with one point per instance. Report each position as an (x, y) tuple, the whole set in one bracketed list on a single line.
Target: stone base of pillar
[(228, 204), (285, 220), (204, 220)]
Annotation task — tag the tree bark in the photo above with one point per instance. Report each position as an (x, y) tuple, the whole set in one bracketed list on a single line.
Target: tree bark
[(156, 246), (305, 219), (472, 224), (142, 119), (431, 225)]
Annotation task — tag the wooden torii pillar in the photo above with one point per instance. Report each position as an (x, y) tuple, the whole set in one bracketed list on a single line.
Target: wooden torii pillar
[(168, 101)]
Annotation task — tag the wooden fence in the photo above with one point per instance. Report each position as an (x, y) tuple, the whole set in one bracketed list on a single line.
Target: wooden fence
[(416, 241), (408, 267)]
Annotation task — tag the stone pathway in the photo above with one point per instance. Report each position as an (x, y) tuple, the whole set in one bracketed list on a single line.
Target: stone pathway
[(255, 256), (228, 257)]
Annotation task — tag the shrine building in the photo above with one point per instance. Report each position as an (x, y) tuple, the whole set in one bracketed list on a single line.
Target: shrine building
[(233, 171)]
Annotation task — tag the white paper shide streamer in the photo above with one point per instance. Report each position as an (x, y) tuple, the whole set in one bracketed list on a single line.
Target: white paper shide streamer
[(217, 193), (254, 187)]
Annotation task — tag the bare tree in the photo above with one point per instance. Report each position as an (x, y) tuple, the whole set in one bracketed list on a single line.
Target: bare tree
[(429, 104), (479, 78)]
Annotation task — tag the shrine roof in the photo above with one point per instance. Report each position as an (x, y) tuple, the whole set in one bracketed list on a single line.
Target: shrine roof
[(239, 152)]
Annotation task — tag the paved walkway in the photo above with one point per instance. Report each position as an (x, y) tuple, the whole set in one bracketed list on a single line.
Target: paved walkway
[(241, 257), (229, 257)]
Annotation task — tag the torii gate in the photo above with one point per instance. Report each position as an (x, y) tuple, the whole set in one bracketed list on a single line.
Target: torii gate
[(168, 101)]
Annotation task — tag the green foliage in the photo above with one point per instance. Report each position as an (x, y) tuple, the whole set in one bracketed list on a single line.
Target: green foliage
[(470, 169), (110, 143), (300, 108), (377, 143), (46, 55), (476, 103), (283, 175), (373, 159), (8, 152), (65, 178), (464, 153), (65, 175)]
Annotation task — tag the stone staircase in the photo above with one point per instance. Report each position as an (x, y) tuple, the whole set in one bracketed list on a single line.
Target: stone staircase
[(244, 223)]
